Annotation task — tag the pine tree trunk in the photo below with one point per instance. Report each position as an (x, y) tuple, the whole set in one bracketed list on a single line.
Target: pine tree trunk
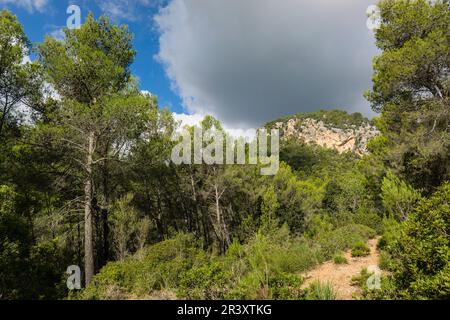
[(88, 193), (105, 210), (220, 232)]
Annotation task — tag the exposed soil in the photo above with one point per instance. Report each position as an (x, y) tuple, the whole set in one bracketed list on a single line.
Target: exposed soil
[(340, 275)]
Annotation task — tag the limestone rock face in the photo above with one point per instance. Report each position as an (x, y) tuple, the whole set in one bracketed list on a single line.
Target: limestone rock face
[(311, 131)]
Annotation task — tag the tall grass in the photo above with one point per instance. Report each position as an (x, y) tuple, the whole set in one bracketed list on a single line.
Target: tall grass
[(321, 291)]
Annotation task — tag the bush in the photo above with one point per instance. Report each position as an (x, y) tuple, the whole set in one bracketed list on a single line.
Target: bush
[(157, 267), (386, 262), (361, 279), (421, 253), (398, 197), (369, 218), (343, 238), (340, 259), (386, 290), (266, 267), (360, 250), (284, 286), (209, 281), (300, 256), (320, 291)]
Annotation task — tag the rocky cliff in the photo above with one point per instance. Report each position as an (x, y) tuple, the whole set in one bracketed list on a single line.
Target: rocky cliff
[(330, 129)]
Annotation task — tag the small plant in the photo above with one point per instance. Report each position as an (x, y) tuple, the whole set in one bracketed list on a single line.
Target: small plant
[(340, 259), (208, 281), (360, 249), (321, 291), (360, 280), (386, 262), (284, 286)]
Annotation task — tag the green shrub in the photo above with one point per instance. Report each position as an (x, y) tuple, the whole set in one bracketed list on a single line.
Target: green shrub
[(386, 290), (208, 282), (267, 266), (156, 267), (284, 286), (114, 280), (360, 280), (369, 218), (300, 256), (342, 239), (251, 286), (386, 262), (391, 233), (340, 259), (277, 286), (320, 291), (398, 197), (360, 250), (421, 253)]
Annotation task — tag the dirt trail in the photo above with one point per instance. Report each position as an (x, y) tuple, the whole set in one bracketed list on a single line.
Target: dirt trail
[(340, 276)]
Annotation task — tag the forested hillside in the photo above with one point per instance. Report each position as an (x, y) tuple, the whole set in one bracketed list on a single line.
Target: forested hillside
[(86, 178)]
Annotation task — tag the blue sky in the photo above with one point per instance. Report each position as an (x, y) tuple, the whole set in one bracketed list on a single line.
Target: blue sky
[(244, 62), (51, 18)]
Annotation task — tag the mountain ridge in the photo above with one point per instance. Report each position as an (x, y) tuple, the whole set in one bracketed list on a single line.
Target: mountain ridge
[(332, 129)]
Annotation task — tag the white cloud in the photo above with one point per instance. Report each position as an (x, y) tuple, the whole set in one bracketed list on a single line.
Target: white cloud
[(58, 34), (130, 10), (26, 59), (147, 93), (195, 119), (188, 120), (247, 62), (29, 5)]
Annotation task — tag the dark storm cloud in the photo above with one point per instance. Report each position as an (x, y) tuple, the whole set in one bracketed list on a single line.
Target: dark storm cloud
[(250, 61)]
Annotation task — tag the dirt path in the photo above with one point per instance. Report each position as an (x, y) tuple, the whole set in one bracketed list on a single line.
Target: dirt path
[(340, 276)]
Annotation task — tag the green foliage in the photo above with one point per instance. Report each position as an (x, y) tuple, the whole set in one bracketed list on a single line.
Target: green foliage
[(398, 197), (20, 83), (298, 199), (342, 238), (269, 207), (334, 118), (340, 259), (386, 291), (386, 262), (159, 267), (378, 146), (321, 291), (265, 271), (346, 193), (27, 271), (91, 61), (391, 233), (285, 286), (312, 160), (13, 234), (361, 279), (421, 252), (360, 249), (208, 281), (266, 267), (217, 232), (411, 89), (124, 221)]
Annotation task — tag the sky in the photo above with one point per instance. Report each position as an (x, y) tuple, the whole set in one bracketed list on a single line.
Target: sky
[(246, 62)]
